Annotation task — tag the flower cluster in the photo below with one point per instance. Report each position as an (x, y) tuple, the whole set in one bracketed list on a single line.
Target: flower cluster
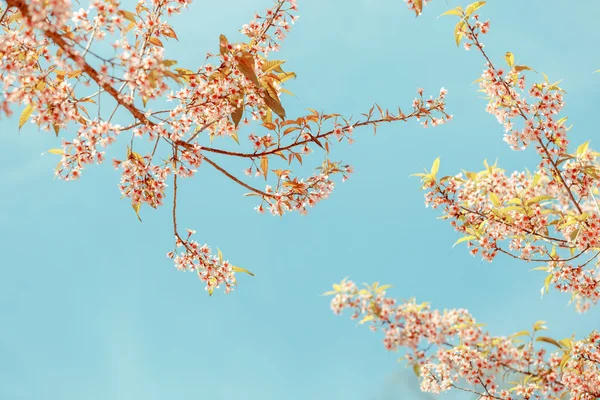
[(141, 181), (53, 63), (211, 269), (84, 148), (450, 349), (549, 216)]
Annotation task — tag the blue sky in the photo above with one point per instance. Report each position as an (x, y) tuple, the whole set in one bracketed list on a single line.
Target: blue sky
[(91, 308)]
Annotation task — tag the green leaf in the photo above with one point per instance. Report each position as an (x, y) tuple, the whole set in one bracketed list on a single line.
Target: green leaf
[(366, 319), (56, 151)]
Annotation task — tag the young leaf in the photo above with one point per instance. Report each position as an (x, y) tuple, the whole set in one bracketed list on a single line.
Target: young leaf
[(136, 208), (455, 11), (25, 115), (520, 333), (464, 239), (418, 5), (539, 326), (494, 199), (458, 31), (155, 41), (435, 167), (582, 148), (264, 165), (471, 8), (223, 45), (56, 151), (244, 270), (548, 340), (510, 59)]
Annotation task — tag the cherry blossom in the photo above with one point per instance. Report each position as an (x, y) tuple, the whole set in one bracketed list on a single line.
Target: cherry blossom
[(449, 350), (83, 65)]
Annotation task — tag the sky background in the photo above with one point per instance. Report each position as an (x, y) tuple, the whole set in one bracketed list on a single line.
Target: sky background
[(92, 310)]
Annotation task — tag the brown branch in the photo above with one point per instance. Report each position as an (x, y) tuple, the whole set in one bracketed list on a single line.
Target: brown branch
[(233, 178), (510, 92), (77, 59), (312, 139)]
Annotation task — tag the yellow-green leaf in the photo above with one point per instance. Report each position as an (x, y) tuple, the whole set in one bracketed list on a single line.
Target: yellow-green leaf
[(471, 8), (25, 115), (520, 333), (382, 288), (244, 270), (455, 11), (582, 149), (510, 58), (435, 167), (542, 268), (458, 31), (539, 326), (547, 282), (56, 151), (464, 239), (417, 369), (494, 199)]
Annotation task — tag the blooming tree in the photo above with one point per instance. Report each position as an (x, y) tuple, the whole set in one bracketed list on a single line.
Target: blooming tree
[(550, 216), (71, 69)]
